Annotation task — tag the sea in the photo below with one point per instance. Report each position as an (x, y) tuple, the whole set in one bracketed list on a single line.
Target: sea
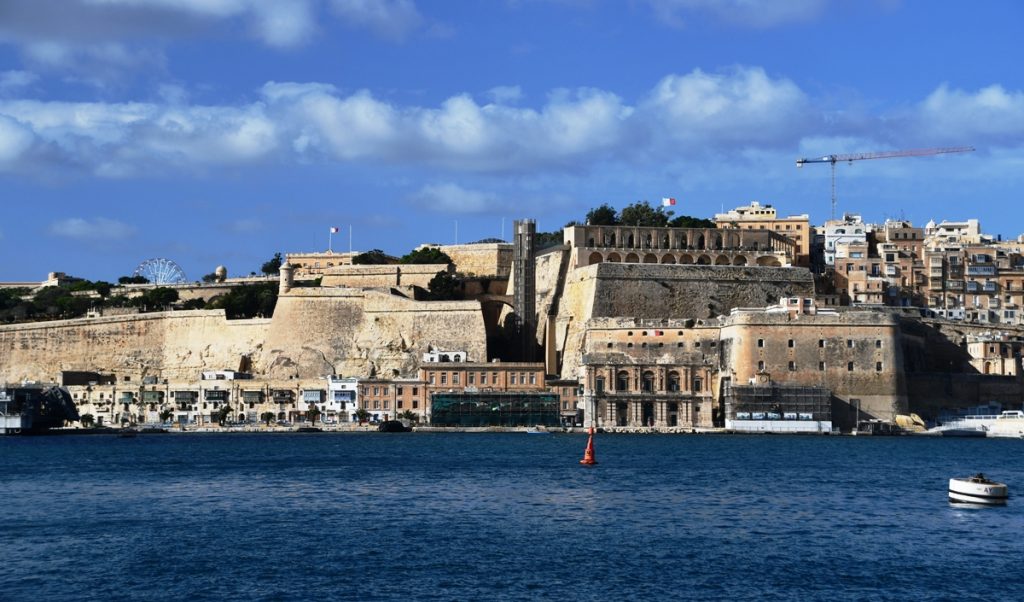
[(505, 516)]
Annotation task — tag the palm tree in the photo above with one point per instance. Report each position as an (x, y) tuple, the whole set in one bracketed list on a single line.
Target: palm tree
[(267, 417), (362, 415), (313, 413), (410, 416), (87, 420), (222, 414), (166, 415)]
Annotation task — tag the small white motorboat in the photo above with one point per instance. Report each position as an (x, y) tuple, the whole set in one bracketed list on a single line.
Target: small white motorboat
[(977, 490)]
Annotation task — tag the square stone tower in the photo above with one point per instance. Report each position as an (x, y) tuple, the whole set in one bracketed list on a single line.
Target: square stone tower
[(524, 296)]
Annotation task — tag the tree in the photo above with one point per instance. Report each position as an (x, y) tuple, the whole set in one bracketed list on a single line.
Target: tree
[(426, 255), (362, 415), (273, 266), (87, 420), (686, 221), (266, 417), (166, 415), (641, 213), (371, 257), (444, 287), (247, 301), (409, 415), (134, 279), (160, 296), (210, 278), (222, 414), (602, 216), (313, 414), (195, 303), (544, 240)]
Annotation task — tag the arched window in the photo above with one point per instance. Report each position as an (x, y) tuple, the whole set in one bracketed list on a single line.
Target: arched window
[(648, 382), (673, 381), (622, 381)]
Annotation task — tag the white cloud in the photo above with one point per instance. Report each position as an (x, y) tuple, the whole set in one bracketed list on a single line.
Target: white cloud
[(13, 80), (98, 229), (452, 198), (505, 94), (246, 225), (745, 105), (747, 13), (393, 19), (990, 114), (15, 140)]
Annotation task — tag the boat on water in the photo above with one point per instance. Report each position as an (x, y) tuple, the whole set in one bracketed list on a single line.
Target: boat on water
[(974, 422), (537, 430), (1009, 424), (962, 431), (977, 489), (393, 426)]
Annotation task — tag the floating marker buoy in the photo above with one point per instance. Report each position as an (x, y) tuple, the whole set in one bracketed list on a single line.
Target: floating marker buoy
[(588, 455)]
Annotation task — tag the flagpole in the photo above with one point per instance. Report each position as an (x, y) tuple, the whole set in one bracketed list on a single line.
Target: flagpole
[(330, 238)]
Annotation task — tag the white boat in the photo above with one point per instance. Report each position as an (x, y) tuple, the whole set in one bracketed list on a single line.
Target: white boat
[(1009, 424), (977, 490)]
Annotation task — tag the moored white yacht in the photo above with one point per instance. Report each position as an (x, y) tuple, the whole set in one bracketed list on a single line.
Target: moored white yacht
[(1009, 424)]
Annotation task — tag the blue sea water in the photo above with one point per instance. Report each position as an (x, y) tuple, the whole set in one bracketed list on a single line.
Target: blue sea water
[(504, 517)]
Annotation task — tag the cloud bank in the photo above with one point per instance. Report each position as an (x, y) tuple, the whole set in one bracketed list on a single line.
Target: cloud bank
[(697, 114)]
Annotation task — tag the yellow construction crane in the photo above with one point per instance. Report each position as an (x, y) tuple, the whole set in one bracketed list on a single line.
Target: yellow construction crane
[(919, 152)]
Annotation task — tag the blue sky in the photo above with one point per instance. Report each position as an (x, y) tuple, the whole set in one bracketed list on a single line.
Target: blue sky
[(220, 131)]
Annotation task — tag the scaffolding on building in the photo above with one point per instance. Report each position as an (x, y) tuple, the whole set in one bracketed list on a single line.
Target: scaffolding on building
[(777, 401)]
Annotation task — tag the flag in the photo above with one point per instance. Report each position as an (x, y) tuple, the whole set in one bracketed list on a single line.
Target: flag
[(334, 230), (665, 202)]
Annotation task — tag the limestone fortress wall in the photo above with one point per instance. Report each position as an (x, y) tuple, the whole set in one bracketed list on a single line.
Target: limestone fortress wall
[(170, 345), (314, 332), (655, 291)]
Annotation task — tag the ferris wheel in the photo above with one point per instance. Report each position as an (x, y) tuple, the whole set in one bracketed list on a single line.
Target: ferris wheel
[(161, 271)]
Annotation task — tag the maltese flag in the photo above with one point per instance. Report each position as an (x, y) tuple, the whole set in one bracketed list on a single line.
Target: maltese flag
[(665, 202), (334, 230)]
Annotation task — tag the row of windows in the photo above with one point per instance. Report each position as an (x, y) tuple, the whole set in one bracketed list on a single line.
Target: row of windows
[(792, 366), (680, 345), (472, 378), (850, 343)]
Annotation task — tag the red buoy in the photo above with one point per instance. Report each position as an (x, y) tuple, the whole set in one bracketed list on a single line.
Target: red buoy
[(588, 455)]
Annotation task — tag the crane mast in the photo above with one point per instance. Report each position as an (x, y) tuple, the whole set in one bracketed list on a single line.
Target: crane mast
[(850, 158)]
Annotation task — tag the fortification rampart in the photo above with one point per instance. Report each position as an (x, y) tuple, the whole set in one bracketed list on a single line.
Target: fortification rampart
[(167, 344), (381, 276), (655, 291), (321, 331)]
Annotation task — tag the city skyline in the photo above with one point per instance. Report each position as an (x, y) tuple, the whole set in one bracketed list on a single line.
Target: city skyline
[(221, 132)]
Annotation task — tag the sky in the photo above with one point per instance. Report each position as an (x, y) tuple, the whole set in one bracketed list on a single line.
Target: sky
[(218, 132)]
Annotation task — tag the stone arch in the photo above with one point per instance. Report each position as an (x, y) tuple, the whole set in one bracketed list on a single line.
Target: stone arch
[(668, 258), (622, 380), (722, 260), (648, 240), (704, 260), (665, 244), (595, 257), (740, 260), (630, 242), (650, 258), (686, 258), (700, 242), (673, 381), (609, 239), (768, 261), (590, 241), (647, 382), (613, 258), (632, 258), (718, 242)]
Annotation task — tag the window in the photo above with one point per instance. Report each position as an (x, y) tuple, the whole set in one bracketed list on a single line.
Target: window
[(679, 344), (760, 366), (849, 343), (512, 377), (385, 404), (760, 342), (483, 378), (533, 378), (431, 379), (791, 343), (849, 366), (878, 366), (398, 391), (471, 378), (415, 404), (609, 345), (376, 404), (399, 404), (599, 384), (375, 389), (821, 343), (792, 366), (878, 343), (456, 378), (821, 366), (444, 378), (697, 344), (384, 390), (415, 390)]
